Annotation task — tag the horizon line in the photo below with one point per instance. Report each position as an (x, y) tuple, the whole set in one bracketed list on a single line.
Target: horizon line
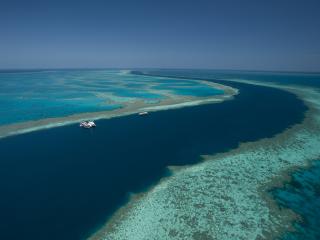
[(156, 68)]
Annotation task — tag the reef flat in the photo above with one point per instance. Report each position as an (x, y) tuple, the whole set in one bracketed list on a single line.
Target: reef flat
[(39, 100), (226, 195), (301, 195)]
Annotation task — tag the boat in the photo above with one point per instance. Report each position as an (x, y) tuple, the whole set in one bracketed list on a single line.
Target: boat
[(143, 113), (87, 124)]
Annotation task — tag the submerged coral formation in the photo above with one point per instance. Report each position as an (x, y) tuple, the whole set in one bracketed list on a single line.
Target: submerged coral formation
[(36, 100), (225, 196)]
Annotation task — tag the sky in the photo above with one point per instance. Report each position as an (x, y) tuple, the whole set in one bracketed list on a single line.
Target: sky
[(281, 35)]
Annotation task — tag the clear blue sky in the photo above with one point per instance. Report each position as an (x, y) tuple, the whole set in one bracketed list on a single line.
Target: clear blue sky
[(225, 34)]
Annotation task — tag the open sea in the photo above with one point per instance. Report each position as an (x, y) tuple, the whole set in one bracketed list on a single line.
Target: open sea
[(64, 182)]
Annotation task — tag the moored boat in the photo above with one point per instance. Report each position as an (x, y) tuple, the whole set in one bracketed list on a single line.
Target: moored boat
[(87, 124), (143, 113)]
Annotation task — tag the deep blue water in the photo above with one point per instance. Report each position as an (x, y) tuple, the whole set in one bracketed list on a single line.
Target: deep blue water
[(306, 79), (63, 182), (302, 195)]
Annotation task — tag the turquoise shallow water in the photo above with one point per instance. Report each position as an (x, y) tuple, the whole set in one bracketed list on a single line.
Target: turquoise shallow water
[(26, 96), (302, 195), (199, 91), (65, 191), (19, 109), (64, 182)]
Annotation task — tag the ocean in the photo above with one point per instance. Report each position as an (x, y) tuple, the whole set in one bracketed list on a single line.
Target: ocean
[(36, 95), (301, 193), (64, 182)]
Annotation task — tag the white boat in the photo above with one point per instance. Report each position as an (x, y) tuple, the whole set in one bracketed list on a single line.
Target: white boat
[(87, 124), (143, 113)]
